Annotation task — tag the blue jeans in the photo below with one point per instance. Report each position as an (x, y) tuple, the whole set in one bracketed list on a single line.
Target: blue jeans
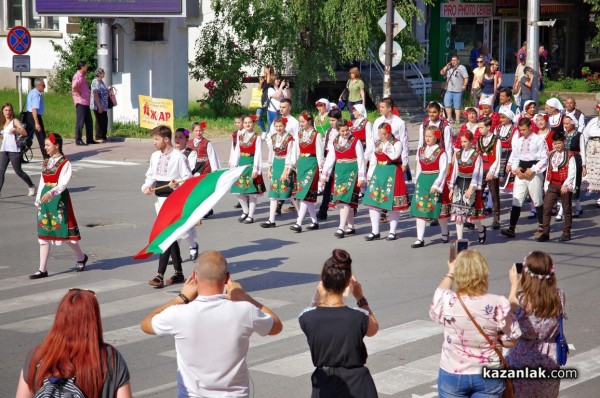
[(271, 115), (452, 385), (261, 123), (453, 99)]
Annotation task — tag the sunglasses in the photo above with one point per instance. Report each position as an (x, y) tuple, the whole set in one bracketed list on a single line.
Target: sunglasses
[(479, 62)]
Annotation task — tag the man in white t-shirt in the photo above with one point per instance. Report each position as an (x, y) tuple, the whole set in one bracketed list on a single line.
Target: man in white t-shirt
[(212, 330), (292, 126)]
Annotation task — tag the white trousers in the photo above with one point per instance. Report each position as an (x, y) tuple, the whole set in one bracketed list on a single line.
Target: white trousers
[(533, 186)]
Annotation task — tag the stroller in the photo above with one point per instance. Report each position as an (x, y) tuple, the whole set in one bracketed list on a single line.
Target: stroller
[(24, 143)]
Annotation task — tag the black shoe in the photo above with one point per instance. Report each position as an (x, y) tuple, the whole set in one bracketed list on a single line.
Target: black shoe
[(355, 210), (483, 235), (237, 206), (39, 274), (267, 224), (339, 233), (250, 220), (577, 213), (193, 253), (242, 217), (176, 278), (495, 225), (210, 213), (279, 206), (322, 217), (391, 236), (80, 266), (296, 228), (470, 226), (349, 231), (92, 142), (312, 226), (508, 232), (543, 238), (417, 244), (372, 236), (532, 215), (446, 238), (434, 223), (80, 142), (564, 238)]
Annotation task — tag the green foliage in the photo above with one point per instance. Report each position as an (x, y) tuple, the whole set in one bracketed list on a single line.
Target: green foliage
[(80, 46), (594, 30)]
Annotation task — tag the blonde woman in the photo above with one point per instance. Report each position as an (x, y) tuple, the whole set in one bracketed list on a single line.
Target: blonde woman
[(356, 90), (465, 350)]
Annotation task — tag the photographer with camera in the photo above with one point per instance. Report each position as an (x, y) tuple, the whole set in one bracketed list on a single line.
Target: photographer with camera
[(264, 82), (275, 94)]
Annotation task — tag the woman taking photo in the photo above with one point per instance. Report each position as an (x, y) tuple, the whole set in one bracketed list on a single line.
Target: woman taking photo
[(74, 350), (99, 104), (335, 333), (55, 216), (12, 129), (538, 305), (465, 350)]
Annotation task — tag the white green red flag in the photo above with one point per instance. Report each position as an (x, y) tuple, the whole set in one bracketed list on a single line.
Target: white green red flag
[(186, 206)]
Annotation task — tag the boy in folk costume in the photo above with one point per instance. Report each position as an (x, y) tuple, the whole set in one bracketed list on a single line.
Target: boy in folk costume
[(575, 147), (206, 156), (334, 116), (168, 167), (238, 121), (490, 148), (560, 183), (506, 133)]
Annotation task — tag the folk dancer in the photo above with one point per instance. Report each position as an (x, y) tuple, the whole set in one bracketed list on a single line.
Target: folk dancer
[(555, 112), (575, 147), (591, 136), (334, 115), (207, 159), (490, 148)]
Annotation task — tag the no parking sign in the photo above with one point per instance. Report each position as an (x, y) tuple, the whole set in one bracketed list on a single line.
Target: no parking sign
[(19, 40)]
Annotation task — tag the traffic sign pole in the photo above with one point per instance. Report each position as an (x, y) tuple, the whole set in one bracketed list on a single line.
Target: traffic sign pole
[(389, 38)]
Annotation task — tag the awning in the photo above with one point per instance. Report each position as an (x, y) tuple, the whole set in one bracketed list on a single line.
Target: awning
[(554, 6)]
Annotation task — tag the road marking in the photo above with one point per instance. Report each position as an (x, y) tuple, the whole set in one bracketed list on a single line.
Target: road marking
[(154, 390), (33, 300), (120, 307), (300, 364), (20, 281), (4, 266), (110, 162), (128, 335), (408, 376), (291, 328), (588, 366)]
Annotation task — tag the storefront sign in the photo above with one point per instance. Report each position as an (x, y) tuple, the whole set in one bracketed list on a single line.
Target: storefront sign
[(460, 9), (107, 7), (155, 112)]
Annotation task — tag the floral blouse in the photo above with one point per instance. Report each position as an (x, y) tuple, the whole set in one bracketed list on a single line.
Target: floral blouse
[(465, 350), (98, 87)]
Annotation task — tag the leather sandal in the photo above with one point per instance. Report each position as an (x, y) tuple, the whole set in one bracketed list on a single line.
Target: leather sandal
[(80, 266), (371, 236), (418, 243), (339, 233)]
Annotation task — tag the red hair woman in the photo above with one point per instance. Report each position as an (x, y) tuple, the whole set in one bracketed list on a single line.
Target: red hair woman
[(74, 350)]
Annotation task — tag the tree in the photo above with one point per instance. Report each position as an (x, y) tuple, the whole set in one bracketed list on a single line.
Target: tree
[(594, 29), (312, 36), (79, 46)]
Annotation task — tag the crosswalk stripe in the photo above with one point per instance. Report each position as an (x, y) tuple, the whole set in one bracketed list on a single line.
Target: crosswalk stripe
[(20, 281), (588, 365), (402, 378), (4, 266), (109, 162), (300, 364), (119, 307), (291, 328), (33, 300)]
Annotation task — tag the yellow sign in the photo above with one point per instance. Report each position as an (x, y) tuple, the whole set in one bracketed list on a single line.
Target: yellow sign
[(256, 102), (155, 112)]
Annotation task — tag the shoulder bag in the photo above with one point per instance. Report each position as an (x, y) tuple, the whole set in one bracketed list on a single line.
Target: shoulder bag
[(112, 98), (509, 391), (562, 348), (445, 87)]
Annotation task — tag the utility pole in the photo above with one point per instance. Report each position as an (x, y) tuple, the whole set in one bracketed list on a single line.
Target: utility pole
[(105, 57), (389, 39), (533, 44)]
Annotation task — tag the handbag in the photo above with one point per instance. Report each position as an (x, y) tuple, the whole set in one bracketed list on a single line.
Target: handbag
[(477, 92), (509, 390), (112, 99), (562, 348)]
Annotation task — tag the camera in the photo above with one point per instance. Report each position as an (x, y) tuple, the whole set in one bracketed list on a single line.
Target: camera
[(284, 84), (519, 267), (456, 247)]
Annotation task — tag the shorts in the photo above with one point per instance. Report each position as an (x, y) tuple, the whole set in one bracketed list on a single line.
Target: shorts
[(453, 99)]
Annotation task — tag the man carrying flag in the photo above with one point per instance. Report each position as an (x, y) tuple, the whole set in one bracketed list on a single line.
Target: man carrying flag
[(168, 169)]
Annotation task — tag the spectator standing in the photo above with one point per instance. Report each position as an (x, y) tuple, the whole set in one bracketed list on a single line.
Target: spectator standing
[(457, 78), (519, 73), (522, 51), (276, 92), (99, 104), (212, 330), (264, 82), (505, 103), (485, 54), (476, 84), (524, 86), (489, 84), (9, 149), (356, 90), (80, 90), (34, 123), (475, 53)]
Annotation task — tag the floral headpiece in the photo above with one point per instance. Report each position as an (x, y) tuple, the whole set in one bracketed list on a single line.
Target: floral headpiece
[(52, 138), (349, 123), (598, 107), (186, 132), (253, 117), (203, 125), (388, 129), (532, 274), (284, 120), (305, 116), (437, 134)]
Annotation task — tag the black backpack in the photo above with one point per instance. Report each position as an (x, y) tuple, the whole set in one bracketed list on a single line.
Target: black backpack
[(56, 387)]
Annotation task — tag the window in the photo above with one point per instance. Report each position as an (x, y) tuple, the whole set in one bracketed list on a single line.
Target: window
[(22, 13), (145, 31)]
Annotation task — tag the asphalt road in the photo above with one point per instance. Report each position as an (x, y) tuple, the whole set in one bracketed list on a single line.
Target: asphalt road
[(278, 267)]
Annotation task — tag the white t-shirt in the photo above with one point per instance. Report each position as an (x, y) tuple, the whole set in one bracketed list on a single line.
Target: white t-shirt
[(212, 335), (9, 141)]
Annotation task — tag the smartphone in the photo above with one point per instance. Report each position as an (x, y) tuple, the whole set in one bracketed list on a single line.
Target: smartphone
[(456, 246), (519, 267)]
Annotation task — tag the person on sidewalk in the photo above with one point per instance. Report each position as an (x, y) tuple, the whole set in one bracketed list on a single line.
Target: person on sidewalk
[(212, 330), (167, 170), (457, 78), (560, 184), (528, 160), (80, 90), (34, 123)]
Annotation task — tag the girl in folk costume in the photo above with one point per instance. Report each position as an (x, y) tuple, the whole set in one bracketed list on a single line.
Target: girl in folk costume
[(505, 133), (486, 109), (575, 146), (432, 163), (434, 119), (555, 112), (490, 148), (309, 151), (248, 151), (206, 156), (465, 187), (591, 137), (543, 128), (361, 127), (529, 112), (55, 216), (282, 166), (322, 118), (386, 189), (345, 158), (472, 114)]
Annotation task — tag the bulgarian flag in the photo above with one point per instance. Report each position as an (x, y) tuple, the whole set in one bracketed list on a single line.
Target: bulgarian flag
[(186, 206)]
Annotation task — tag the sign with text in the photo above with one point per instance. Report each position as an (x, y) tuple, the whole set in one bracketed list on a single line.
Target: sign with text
[(155, 112), (460, 9), (21, 63), (110, 7)]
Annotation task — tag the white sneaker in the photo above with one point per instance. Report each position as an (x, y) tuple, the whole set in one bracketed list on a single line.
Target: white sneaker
[(31, 191)]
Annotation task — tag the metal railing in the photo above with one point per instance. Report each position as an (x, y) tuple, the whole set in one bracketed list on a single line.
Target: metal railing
[(413, 66)]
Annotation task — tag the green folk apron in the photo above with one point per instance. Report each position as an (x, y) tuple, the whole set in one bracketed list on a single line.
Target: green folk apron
[(281, 189)]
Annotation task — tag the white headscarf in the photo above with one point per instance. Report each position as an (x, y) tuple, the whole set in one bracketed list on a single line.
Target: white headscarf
[(326, 102), (526, 104), (555, 103), (508, 113), (361, 109), (573, 120)]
